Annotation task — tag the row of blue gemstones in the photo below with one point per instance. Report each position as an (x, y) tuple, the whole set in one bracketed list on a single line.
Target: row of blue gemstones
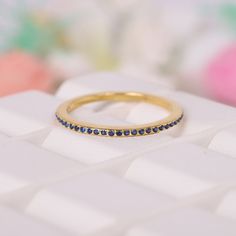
[(132, 132)]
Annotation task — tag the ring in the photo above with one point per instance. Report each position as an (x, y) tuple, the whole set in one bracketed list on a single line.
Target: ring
[(64, 117)]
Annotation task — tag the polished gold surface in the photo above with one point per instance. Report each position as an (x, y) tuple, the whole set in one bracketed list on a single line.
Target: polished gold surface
[(65, 118)]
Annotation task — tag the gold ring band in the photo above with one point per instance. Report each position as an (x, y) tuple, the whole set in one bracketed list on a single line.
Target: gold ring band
[(65, 119)]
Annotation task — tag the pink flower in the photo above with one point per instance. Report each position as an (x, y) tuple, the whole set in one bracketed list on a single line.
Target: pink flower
[(221, 76), (20, 71)]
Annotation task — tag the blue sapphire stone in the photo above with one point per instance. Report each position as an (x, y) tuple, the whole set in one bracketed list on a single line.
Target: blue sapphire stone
[(66, 124), (104, 132), (96, 131), (82, 129), (126, 132), (119, 133), (72, 126), (89, 131), (161, 127), (141, 131), (148, 130), (76, 128), (111, 133), (155, 129), (167, 126), (134, 132)]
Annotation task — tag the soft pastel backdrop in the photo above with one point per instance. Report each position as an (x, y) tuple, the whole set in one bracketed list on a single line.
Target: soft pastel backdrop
[(189, 44)]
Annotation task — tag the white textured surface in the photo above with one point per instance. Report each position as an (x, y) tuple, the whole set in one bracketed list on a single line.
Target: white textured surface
[(3, 139), (202, 114), (182, 169), (224, 142), (27, 112), (186, 222), (227, 207), (14, 224), (22, 164), (94, 202)]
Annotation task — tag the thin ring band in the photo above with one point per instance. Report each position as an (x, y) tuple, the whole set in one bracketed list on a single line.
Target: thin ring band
[(65, 119)]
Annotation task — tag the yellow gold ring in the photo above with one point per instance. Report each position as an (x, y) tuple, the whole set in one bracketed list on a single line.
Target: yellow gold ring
[(66, 120)]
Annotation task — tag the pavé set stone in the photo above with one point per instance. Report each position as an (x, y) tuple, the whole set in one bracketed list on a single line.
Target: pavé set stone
[(119, 133)]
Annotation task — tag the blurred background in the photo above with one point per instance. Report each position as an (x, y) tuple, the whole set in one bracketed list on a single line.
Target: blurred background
[(190, 45)]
